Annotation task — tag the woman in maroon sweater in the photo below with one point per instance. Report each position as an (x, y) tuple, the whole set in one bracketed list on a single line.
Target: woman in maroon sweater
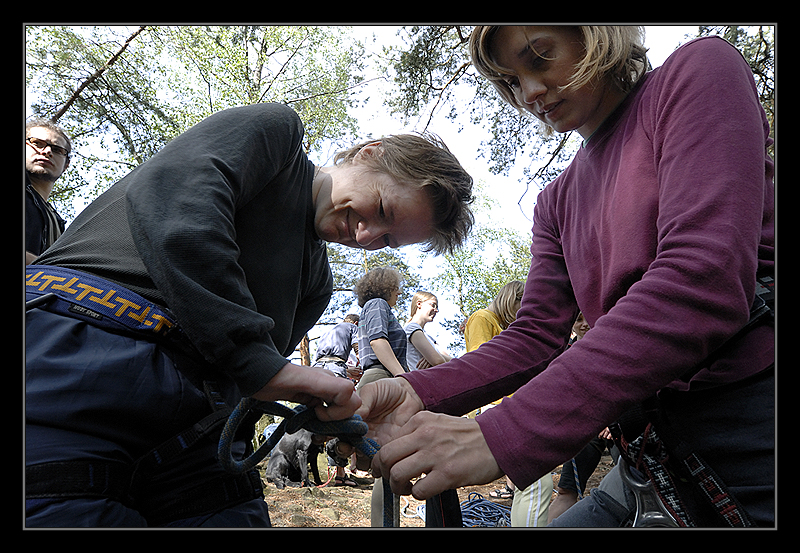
[(656, 232)]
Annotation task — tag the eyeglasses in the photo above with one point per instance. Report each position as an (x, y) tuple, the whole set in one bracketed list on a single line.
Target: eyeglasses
[(40, 145)]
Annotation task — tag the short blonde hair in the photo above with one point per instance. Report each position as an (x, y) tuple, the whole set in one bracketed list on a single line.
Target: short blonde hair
[(611, 51), (377, 283), (423, 161), (505, 302)]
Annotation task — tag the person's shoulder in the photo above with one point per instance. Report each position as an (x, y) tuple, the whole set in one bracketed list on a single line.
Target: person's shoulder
[(711, 42), (706, 51), (482, 314), (376, 303), (259, 116), (270, 108), (275, 109)]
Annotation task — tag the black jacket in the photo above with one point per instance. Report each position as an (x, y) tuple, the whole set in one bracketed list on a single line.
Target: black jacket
[(37, 222)]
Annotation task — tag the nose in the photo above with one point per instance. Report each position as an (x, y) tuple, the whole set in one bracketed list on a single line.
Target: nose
[(370, 236), (530, 90)]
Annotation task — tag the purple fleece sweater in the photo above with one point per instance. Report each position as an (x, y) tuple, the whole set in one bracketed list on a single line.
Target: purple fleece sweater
[(655, 232)]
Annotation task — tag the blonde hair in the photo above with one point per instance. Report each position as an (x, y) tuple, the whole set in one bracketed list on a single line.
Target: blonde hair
[(615, 52), (504, 304), (419, 295), (424, 162), (377, 283)]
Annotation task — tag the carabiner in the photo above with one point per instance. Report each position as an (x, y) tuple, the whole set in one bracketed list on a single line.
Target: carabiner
[(650, 511)]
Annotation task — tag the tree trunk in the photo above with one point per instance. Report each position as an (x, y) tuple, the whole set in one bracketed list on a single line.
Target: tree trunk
[(305, 351)]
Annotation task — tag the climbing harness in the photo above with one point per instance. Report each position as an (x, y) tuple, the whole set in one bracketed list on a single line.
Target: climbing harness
[(352, 430), (97, 301), (681, 489), (138, 485)]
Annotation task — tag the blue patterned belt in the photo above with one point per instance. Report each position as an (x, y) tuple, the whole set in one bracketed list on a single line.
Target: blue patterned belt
[(96, 300)]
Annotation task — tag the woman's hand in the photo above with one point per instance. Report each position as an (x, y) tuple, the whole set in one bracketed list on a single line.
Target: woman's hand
[(386, 405), (332, 398), (449, 451)]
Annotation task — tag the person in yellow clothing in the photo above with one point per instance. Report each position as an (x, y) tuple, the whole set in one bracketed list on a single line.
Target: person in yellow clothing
[(529, 507)]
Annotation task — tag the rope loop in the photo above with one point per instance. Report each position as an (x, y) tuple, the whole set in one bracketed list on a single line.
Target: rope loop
[(352, 430)]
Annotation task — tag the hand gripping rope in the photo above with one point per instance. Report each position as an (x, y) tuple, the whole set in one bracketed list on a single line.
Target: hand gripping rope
[(352, 430)]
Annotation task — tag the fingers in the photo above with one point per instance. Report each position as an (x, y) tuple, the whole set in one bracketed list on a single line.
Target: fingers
[(332, 397), (405, 459), (400, 461), (340, 406), (433, 453), (388, 397), (386, 405)]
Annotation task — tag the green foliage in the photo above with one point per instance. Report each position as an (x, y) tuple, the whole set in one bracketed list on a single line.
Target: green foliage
[(471, 277), (169, 78), (116, 122), (432, 69), (349, 265), (305, 67)]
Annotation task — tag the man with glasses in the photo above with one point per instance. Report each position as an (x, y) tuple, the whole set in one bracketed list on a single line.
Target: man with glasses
[(47, 149)]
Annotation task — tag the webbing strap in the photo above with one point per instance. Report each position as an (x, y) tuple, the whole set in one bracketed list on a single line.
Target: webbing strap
[(96, 301), (124, 482), (81, 478), (712, 490)]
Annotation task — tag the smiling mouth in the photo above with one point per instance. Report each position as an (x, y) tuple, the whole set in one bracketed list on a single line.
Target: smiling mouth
[(349, 229), (549, 108)]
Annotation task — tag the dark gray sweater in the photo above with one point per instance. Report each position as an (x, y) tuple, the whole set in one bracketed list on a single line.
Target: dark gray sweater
[(217, 227)]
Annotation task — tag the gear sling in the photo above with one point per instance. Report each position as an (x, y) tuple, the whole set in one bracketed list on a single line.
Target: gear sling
[(679, 488)]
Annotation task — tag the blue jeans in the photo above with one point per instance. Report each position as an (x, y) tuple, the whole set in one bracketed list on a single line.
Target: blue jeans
[(107, 399), (731, 427)]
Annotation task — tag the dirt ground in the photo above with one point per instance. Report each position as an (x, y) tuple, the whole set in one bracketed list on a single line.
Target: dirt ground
[(330, 506)]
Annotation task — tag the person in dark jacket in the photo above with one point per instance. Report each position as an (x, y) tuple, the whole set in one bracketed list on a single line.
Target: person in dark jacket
[(47, 149)]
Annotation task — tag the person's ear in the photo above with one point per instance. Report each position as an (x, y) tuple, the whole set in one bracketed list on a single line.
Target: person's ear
[(371, 149)]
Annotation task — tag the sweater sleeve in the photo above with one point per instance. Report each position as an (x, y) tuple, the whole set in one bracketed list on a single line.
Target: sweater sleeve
[(181, 208)]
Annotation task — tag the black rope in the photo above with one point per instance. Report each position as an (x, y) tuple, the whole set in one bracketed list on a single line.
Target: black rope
[(352, 430)]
